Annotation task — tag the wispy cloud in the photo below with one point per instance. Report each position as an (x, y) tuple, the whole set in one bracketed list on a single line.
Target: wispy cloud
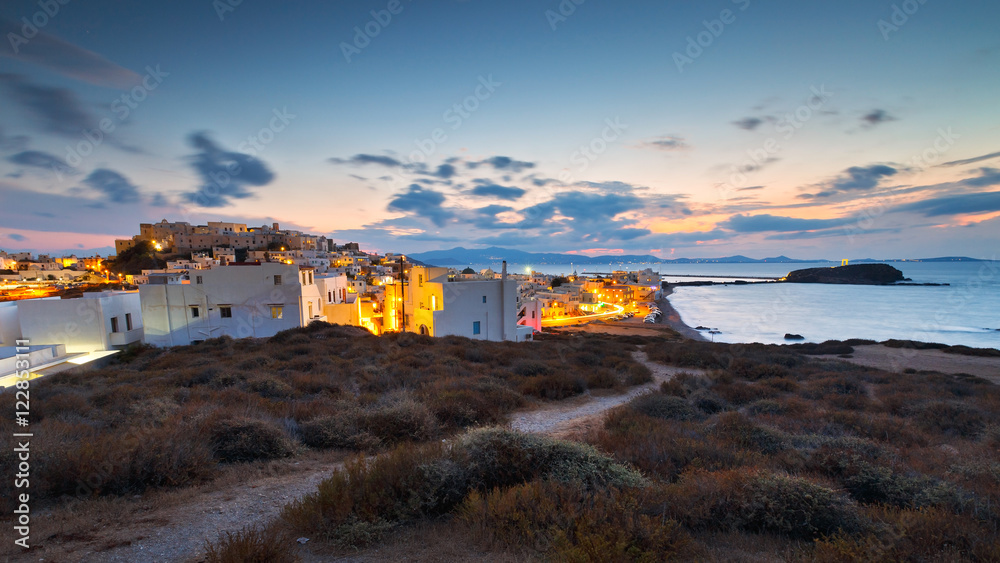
[(666, 143), (46, 50)]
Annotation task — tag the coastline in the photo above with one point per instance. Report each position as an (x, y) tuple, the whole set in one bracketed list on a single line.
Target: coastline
[(673, 319)]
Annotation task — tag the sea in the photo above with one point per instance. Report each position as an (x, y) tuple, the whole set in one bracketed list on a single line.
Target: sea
[(965, 312)]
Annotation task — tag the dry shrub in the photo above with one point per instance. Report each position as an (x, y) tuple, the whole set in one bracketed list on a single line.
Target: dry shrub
[(740, 393), (567, 523), (270, 387), (371, 427), (928, 534), (745, 369), (461, 402), (372, 496), (638, 374), (555, 387), (495, 457), (739, 430), (952, 418), (235, 441), (658, 405), (758, 501), (121, 464), (252, 545), (660, 448)]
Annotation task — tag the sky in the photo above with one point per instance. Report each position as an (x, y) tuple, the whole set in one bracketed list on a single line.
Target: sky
[(850, 129)]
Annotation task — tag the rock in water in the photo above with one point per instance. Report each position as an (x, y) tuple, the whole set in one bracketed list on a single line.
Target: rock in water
[(790, 336), (857, 274)]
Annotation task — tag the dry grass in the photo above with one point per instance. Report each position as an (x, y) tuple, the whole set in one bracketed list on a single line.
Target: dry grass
[(169, 418)]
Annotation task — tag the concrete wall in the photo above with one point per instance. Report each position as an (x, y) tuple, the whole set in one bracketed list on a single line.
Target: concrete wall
[(248, 291), (452, 308), (83, 324), (10, 327)]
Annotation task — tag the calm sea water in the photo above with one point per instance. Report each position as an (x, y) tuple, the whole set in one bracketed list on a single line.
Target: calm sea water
[(966, 312)]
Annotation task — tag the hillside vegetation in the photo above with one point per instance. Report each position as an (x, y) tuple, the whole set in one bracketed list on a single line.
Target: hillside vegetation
[(172, 418), (773, 457)]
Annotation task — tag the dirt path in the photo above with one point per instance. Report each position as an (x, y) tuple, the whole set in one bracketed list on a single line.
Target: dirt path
[(176, 526), (173, 525), (570, 418)]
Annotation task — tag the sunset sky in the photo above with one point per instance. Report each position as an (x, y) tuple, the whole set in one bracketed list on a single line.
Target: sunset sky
[(680, 129)]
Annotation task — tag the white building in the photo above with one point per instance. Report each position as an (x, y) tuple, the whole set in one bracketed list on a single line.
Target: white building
[(110, 320), (434, 305), (239, 300)]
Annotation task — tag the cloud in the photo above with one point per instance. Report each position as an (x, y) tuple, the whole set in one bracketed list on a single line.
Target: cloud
[(497, 191), (876, 117), (48, 51), (445, 171), (422, 202), (749, 123), (972, 160), (750, 189), (854, 178), (503, 163), (987, 202), (16, 143), (225, 175), (765, 223), (57, 109), (988, 177), (361, 159), (666, 143), (113, 185), (44, 160), (17, 237)]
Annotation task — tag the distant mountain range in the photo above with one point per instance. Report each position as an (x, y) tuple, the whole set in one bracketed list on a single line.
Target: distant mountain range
[(460, 256)]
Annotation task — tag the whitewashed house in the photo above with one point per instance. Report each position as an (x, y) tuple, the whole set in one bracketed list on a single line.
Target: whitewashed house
[(238, 300), (109, 320), (478, 309)]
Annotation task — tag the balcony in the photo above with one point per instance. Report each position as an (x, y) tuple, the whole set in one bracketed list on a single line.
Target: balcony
[(125, 338)]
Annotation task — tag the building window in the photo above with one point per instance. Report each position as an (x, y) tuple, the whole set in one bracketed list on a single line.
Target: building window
[(197, 280), (128, 321), (475, 327), (329, 297), (114, 324), (420, 280), (277, 279), (225, 311), (195, 312), (277, 311), (484, 299)]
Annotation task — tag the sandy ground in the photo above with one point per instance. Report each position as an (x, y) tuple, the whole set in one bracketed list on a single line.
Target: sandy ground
[(895, 360), (174, 525)]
